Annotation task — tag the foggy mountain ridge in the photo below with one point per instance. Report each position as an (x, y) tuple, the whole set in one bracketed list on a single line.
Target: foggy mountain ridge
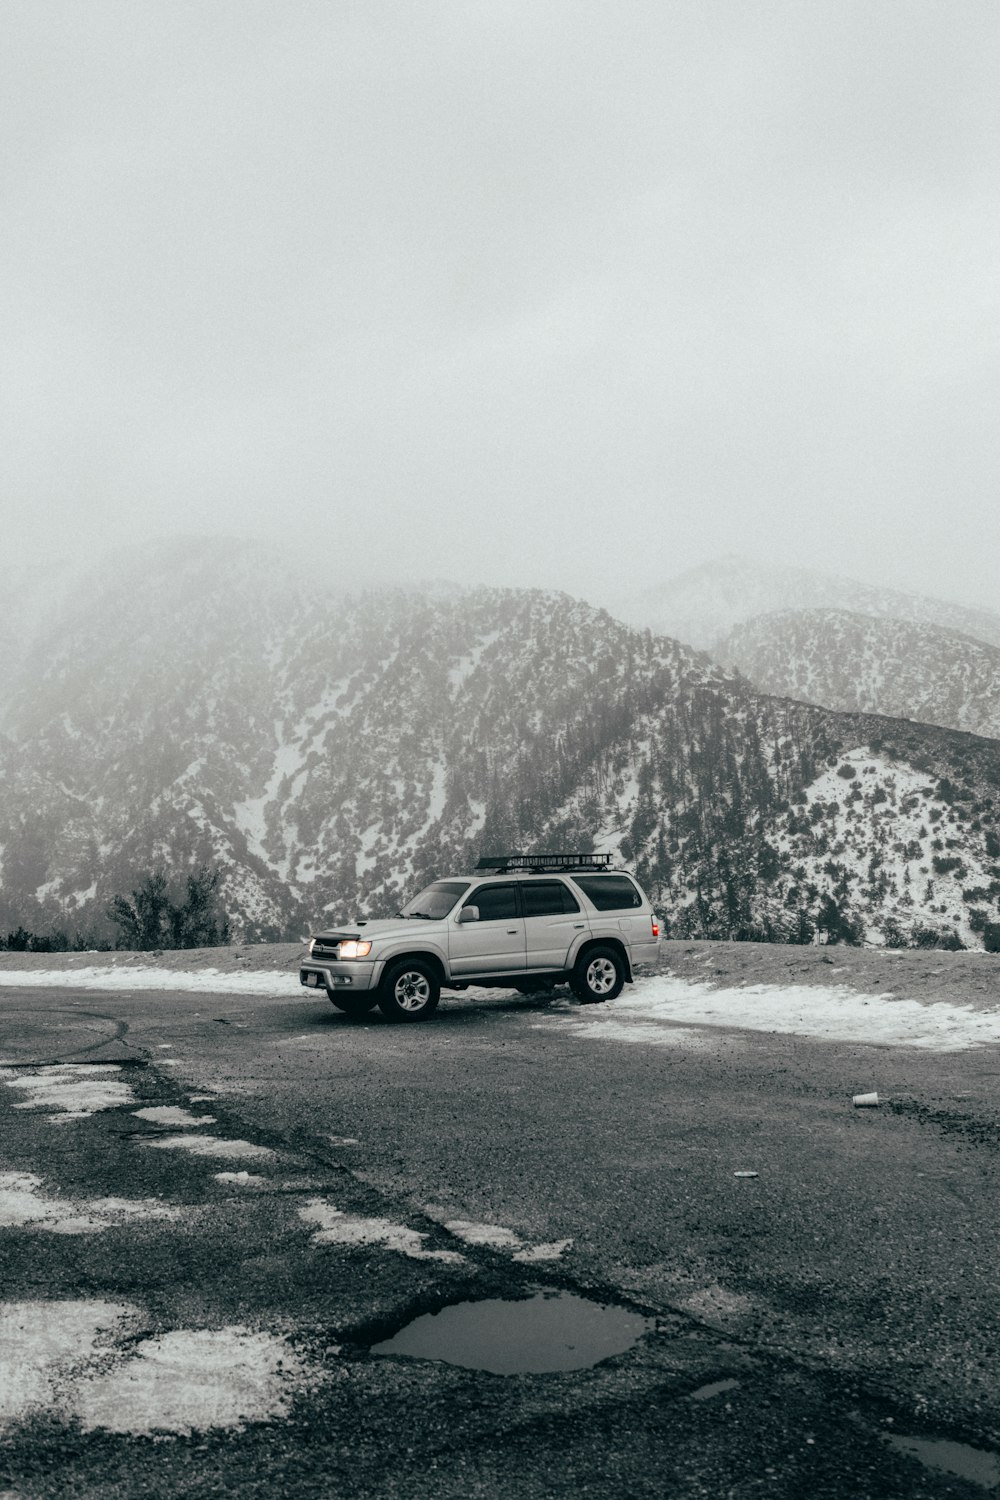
[(330, 754), (869, 664), (705, 604)]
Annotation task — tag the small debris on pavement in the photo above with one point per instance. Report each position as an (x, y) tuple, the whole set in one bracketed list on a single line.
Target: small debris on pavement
[(746, 1174), (865, 1101)]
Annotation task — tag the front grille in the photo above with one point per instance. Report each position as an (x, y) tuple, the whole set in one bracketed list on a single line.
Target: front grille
[(326, 950)]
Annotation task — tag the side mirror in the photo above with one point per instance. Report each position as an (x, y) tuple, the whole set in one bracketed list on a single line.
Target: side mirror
[(469, 914)]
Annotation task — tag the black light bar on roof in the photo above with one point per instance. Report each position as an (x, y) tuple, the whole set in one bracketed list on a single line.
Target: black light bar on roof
[(502, 863)]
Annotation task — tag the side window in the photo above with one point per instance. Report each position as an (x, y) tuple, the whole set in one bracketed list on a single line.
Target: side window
[(496, 902), (547, 898), (609, 892)]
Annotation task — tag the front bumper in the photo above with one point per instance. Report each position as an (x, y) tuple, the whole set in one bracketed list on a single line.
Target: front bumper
[(358, 974)]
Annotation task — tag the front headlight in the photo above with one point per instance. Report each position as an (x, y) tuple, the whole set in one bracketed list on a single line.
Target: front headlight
[(311, 946), (353, 949)]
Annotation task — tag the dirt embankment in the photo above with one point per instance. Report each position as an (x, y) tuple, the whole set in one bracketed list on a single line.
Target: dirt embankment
[(245, 958), (969, 978)]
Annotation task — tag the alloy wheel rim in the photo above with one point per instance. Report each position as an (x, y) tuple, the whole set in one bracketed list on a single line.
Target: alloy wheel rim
[(601, 976), (412, 991)]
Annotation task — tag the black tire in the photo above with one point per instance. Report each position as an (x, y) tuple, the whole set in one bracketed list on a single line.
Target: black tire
[(352, 1005), (410, 991), (598, 975)]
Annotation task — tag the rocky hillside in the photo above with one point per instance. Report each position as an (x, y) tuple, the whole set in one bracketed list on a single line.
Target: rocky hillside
[(858, 662), (329, 752), (325, 752), (703, 605), (755, 817)]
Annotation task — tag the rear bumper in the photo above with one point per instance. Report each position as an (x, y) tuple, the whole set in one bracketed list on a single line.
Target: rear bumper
[(353, 976), (644, 953)]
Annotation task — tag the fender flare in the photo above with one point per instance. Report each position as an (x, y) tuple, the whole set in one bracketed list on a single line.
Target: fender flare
[(405, 950), (590, 941)]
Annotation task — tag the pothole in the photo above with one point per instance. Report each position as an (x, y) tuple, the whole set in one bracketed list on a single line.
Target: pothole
[(537, 1335), (974, 1464)]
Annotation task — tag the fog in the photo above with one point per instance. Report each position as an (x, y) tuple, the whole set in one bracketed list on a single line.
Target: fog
[(571, 294)]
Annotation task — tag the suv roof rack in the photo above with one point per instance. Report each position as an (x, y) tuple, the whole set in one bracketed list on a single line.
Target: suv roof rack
[(501, 864)]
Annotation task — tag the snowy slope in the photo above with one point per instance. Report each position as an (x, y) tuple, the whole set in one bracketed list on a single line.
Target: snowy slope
[(878, 665), (326, 752), (766, 819), (329, 752)]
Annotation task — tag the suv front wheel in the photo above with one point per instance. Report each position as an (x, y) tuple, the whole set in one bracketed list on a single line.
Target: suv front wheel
[(599, 974), (410, 991), (351, 1005)]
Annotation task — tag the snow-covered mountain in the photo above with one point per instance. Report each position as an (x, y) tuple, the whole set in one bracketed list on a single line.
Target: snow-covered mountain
[(703, 605), (876, 665), (222, 703), (763, 818), (328, 752)]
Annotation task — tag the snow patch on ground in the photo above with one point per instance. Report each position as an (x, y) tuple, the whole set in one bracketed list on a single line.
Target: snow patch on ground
[(492, 1235), (190, 1380), (23, 1205), (533, 1254), (172, 1114), (209, 981), (655, 1035), (827, 1012), (44, 1343), (211, 1145), (496, 1237), (336, 1228), (60, 1359), (77, 1092)]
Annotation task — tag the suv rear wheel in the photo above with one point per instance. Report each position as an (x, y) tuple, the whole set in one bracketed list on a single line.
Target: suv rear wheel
[(410, 991), (599, 974)]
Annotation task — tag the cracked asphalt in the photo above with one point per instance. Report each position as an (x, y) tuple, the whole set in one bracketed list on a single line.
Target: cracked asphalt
[(801, 1317)]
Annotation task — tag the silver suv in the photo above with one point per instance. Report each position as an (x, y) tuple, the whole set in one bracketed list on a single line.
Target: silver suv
[(522, 921)]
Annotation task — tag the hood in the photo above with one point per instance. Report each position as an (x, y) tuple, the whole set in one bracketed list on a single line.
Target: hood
[(385, 927)]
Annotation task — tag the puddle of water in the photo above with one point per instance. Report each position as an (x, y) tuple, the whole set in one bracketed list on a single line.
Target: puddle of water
[(974, 1464), (536, 1335), (706, 1392)]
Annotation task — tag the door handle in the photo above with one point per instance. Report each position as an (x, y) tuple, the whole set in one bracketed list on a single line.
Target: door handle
[(579, 925), (513, 931)]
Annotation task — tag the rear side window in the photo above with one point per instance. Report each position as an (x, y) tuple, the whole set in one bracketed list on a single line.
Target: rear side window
[(609, 892), (547, 898), (495, 902)]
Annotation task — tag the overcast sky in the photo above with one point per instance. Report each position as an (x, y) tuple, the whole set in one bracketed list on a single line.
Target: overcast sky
[(536, 293)]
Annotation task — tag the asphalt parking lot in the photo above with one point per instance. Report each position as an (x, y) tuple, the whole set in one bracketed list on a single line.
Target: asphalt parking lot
[(191, 1298)]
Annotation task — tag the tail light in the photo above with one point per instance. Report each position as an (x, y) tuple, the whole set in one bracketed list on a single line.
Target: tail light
[(655, 925)]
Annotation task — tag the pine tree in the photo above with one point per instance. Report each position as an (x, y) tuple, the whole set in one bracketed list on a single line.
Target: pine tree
[(151, 920)]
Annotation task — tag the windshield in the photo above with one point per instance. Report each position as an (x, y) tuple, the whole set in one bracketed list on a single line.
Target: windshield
[(436, 900)]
